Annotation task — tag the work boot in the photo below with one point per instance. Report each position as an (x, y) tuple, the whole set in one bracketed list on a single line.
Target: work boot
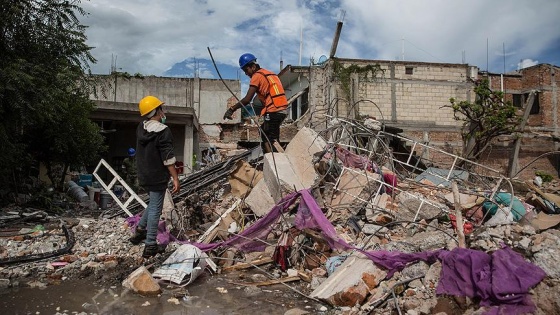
[(139, 236), (153, 249)]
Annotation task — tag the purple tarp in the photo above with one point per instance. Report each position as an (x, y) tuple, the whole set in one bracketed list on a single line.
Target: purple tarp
[(501, 280)]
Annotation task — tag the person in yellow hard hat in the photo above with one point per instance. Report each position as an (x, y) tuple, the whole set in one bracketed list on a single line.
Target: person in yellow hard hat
[(155, 162)]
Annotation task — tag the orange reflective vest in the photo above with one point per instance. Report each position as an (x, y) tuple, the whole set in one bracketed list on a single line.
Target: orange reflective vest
[(270, 91)]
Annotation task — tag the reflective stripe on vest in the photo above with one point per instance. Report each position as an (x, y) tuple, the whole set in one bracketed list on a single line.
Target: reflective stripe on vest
[(275, 99)]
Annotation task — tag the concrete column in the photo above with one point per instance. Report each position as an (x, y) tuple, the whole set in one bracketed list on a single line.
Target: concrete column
[(354, 110), (393, 93), (196, 95), (188, 147)]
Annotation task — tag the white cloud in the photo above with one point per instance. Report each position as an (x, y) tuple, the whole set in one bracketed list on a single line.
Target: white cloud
[(525, 63), (150, 36), (440, 30)]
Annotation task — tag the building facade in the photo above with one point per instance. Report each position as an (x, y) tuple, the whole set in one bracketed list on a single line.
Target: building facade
[(413, 96), (191, 104)]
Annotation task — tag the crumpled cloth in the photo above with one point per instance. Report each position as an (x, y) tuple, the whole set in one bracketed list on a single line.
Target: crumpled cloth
[(501, 280)]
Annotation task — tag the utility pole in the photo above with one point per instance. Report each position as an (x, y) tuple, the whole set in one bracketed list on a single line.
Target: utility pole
[(402, 49), (300, 43), (337, 35), (114, 73)]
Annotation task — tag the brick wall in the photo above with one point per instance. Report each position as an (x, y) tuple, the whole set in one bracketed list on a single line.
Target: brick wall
[(415, 97), (415, 103)]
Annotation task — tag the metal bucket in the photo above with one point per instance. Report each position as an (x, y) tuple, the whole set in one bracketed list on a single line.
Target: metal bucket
[(104, 200)]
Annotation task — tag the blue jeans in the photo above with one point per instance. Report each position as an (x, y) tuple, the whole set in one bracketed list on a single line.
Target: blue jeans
[(150, 217)]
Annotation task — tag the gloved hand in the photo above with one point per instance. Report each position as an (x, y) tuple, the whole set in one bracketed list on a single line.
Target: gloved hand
[(228, 114)]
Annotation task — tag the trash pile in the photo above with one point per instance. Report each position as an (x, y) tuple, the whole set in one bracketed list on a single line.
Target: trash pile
[(358, 219)]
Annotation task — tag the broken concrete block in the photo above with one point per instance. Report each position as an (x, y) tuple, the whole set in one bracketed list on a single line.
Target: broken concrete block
[(351, 283), (429, 240), (260, 199), (220, 226), (279, 175), (243, 178), (465, 200), (142, 282), (378, 202), (300, 152), (369, 229), (354, 185), (414, 206)]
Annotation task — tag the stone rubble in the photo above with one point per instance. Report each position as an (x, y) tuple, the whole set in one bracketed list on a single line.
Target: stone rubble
[(413, 218)]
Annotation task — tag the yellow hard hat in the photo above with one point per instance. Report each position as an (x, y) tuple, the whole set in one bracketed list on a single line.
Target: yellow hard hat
[(148, 103)]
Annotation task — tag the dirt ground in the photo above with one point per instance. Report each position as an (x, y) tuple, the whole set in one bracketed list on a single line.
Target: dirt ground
[(209, 294)]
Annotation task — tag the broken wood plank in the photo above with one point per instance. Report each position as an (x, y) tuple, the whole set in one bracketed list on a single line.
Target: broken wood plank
[(247, 265), (209, 235), (269, 282), (458, 214), (278, 147), (548, 196), (304, 276)]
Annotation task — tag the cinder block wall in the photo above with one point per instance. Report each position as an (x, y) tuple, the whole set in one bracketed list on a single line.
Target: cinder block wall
[(415, 103), (395, 96), (208, 97)]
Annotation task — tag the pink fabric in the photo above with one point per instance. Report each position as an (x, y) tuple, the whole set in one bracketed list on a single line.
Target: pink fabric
[(391, 180), (350, 159), (501, 280)]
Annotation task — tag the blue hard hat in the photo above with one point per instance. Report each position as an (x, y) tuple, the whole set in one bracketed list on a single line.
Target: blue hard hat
[(131, 152), (245, 59)]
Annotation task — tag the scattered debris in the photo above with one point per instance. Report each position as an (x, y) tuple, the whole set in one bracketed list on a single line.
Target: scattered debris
[(185, 261), (142, 282), (339, 217)]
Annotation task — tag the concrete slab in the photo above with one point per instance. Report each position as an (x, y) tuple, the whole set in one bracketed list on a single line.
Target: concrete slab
[(279, 175), (351, 185), (260, 200), (351, 282), (300, 152)]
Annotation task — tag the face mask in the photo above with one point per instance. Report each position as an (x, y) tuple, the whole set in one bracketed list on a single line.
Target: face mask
[(163, 119)]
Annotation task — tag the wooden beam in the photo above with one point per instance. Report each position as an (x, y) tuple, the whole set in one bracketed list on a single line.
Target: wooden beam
[(209, 235), (278, 147), (269, 282), (247, 265), (458, 215)]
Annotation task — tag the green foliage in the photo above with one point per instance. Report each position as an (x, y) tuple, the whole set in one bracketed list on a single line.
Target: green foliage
[(44, 88), (344, 74), (545, 176), (484, 120)]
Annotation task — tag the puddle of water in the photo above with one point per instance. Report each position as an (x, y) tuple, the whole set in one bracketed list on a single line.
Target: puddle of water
[(200, 297)]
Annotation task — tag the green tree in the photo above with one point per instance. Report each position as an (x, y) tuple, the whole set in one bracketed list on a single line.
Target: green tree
[(44, 89), (484, 120)]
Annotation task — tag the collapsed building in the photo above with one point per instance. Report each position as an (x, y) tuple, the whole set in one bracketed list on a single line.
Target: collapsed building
[(374, 203), (370, 207), (361, 230)]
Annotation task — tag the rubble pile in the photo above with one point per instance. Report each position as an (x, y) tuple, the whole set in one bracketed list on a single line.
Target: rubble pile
[(99, 249), (342, 219)]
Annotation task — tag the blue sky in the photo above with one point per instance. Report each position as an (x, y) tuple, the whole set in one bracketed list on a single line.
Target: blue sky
[(152, 37)]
